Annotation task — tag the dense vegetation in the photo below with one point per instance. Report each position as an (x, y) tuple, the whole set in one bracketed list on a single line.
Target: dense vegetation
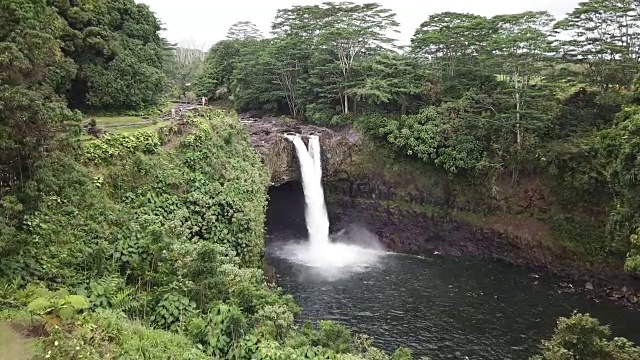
[(149, 244), (58, 55), (478, 98)]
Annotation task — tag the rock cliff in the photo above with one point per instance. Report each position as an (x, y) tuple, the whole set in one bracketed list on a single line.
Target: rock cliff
[(278, 153)]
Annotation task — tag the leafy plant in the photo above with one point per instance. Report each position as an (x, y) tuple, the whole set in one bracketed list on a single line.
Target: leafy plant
[(58, 308)]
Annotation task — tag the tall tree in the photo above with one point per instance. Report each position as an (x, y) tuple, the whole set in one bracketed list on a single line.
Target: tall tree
[(521, 49), (603, 38), (451, 45), (289, 65), (244, 30), (343, 31), (119, 53), (253, 81), (218, 67), (452, 40), (389, 79), (33, 69)]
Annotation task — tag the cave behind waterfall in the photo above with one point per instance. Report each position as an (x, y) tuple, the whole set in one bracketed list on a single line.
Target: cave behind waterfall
[(285, 211)]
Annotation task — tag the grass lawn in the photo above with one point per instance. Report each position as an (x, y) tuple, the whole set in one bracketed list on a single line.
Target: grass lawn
[(106, 121), (144, 126), (134, 128), (122, 124)]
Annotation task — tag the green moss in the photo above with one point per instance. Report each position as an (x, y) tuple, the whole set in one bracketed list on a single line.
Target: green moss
[(586, 238)]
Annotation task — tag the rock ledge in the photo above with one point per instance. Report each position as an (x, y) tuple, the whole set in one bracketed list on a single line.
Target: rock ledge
[(278, 153)]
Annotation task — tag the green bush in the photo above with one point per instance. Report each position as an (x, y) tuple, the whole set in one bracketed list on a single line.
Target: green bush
[(116, 146), (582, 337)]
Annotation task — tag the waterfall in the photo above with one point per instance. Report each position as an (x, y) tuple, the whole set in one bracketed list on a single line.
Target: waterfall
[(315, 208), (342, 255)]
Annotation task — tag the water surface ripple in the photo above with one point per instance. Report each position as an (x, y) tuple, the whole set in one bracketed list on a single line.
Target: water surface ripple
[(444, 307)]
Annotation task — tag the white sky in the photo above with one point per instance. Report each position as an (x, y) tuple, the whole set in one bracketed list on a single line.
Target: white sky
[(202, 23)]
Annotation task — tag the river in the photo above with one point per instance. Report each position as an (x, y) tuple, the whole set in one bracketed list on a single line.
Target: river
[(438, 306)]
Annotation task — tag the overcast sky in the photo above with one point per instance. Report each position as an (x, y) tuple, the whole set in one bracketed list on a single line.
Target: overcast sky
[(201, 23)]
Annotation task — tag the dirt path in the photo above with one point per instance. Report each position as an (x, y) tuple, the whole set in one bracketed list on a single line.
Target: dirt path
[(14, 346)]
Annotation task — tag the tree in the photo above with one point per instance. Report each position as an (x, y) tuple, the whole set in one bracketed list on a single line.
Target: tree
[(289, 64), (451, 45), (218, 67), (33, 69), (342, 33), (389, 79), (521, 49), (114, 41), (244, 30), (603, 40), (581, 337), (253, 81)]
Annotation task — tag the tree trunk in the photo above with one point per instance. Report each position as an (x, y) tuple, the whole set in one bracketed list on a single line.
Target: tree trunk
[(346, 104), (518, 132)]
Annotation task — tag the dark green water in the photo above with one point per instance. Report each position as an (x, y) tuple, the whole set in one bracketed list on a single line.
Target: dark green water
[(441, 307), (446, 308)]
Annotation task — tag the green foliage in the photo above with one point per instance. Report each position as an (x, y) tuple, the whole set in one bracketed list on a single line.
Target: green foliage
[(33, 69), (432, 137), (581, 337), (320, 55), (582, 237), (97, 54), (113, 147), (333, 336), (172, 311), (112, 293), (600, 42), (106, 334), (243, 30), (611, 162), (57, 309), (119, 54), (215, 79), (402, 354)]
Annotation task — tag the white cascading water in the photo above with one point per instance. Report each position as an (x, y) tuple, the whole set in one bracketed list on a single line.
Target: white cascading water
[(319, 251), (315, 208)]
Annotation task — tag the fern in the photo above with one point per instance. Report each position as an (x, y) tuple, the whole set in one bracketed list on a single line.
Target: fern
[(77, 302), (40, 306), (66, 313)]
